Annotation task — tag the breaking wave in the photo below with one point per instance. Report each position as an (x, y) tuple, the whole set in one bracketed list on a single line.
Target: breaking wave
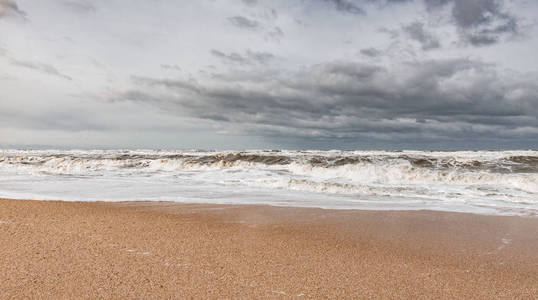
[(498, 180)]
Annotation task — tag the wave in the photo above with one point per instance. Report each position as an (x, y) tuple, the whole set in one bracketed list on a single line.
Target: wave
[(507, 161), (320, 171), (503, 182)]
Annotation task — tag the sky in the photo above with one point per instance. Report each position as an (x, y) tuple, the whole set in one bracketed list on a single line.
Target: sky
[(254, 74)]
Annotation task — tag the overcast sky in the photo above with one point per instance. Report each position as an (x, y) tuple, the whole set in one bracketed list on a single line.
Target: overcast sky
[(363, 74)]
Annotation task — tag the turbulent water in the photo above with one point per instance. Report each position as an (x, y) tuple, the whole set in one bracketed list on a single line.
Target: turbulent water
[(490, 182)]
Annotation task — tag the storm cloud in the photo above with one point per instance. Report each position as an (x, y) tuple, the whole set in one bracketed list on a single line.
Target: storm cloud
[(441, 99), (348, 74), (481, 22)]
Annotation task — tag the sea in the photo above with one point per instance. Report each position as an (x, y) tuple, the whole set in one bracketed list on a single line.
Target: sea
[(483, 182)]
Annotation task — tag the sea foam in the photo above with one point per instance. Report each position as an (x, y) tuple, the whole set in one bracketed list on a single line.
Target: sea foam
[(493, 182)]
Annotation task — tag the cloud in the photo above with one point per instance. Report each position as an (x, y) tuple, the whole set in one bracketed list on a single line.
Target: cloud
[(278, 78), (276, 33), (432, 99), (417, 32), (10, 8), (41, 67), (435, 4), (249, 58), (72, 120), (244, 23), (347, 6), (371, 52), (480, 22), (250, 2), (171, 67), (80, 6)]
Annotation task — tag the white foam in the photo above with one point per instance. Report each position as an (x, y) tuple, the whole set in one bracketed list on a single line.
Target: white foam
[(474, 181)]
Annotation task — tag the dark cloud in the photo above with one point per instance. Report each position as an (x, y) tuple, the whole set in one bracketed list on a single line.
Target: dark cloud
[(396, 96), (10, 8), (417, 32), (371, 52), (347, 6), (434, 99), (41, 67), (246, 23), (80, 6), (249, 58), (481, 22)]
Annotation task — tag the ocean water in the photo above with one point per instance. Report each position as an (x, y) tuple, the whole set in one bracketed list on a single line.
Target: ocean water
[(486, 182)]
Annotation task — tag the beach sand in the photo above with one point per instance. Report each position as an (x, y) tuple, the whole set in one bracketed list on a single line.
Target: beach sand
[(177, 251)]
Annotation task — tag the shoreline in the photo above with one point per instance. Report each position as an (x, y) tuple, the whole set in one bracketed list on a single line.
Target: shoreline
[(260, 205), (177, 250)]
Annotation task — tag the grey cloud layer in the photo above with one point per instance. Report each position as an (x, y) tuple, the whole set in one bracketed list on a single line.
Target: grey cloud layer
[(333, 71), (434, 99)]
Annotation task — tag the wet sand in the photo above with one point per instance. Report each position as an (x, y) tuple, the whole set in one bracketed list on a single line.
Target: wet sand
[(176, 251)]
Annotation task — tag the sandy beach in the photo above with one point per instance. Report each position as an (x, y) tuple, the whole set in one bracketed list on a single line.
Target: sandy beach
[(176, 251)]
